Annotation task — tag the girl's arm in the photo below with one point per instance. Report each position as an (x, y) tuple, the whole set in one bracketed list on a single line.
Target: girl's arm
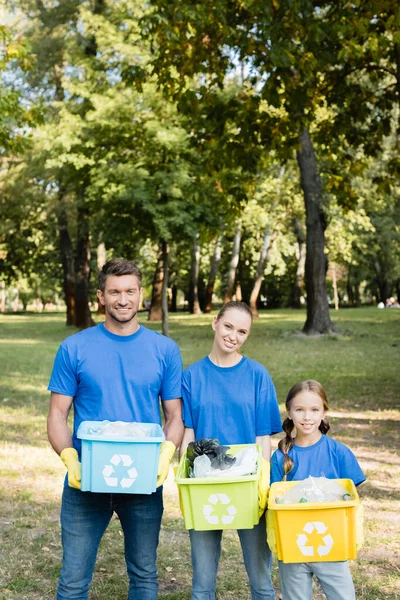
[(265, 443), (188, 437)]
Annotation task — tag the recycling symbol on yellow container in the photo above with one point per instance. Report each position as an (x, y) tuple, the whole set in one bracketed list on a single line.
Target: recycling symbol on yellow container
[(130, 476), (208, 510), (327, 540)]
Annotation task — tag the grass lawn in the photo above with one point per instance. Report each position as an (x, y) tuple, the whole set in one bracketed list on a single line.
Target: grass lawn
[(360, 371)]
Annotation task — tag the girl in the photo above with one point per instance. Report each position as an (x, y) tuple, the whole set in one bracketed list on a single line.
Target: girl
[(232, 398), (305, 451)]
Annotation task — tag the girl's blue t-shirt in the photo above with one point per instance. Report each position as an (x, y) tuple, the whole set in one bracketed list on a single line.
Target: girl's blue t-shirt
[(327, 458), (234, 404), (117, 378)]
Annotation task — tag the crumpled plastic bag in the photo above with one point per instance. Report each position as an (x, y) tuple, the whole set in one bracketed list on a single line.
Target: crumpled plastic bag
[(245, 464), (315, 489), (212, 448)]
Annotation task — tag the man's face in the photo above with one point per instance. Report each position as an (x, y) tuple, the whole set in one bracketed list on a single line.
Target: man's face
[(121, 297)]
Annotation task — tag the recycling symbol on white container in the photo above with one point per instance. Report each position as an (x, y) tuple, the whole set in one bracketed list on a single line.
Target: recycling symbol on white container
[(302, 539), (131, 473), (208, 510)]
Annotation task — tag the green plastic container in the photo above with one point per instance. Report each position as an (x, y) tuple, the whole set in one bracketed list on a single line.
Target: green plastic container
[(219, 503)]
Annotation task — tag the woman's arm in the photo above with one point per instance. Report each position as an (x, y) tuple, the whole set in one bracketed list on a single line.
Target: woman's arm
[(265, 443), (188, 437)]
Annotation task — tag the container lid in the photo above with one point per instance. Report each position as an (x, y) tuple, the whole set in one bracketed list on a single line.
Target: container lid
[(97, 431)]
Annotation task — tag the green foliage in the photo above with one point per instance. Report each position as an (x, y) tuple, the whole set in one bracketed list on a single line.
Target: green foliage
[(15, 115), (170, 119)]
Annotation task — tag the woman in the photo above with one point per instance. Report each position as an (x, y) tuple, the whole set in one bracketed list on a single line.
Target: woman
[(232, 398)]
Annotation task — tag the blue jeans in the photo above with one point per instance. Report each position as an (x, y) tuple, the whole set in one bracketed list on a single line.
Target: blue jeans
[(84, 519), (206, 550), (334, 577)]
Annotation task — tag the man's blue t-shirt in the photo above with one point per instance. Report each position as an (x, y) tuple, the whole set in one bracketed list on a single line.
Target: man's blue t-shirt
[(234, 404), (327, 458), (117, 378)]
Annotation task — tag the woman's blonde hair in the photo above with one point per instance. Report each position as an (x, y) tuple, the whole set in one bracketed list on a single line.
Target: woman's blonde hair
[(286, 444)]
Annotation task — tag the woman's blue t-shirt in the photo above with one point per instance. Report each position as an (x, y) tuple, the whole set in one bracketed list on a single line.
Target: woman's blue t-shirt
[(234, 404)]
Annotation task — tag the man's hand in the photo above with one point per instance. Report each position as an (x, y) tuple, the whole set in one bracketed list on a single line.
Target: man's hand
[(69, 456), (167, 451), (263, 486)]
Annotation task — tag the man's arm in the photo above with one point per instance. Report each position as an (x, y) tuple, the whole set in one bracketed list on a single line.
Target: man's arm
[(265, 443), (188, 437), (173, 427), (57, 422)]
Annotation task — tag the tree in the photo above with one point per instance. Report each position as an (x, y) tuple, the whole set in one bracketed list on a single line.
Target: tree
[(299, 57)]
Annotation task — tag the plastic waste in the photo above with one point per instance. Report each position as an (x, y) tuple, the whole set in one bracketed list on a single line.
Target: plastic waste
[(315, 489), (245, 464), (212, 448), (119, 429)]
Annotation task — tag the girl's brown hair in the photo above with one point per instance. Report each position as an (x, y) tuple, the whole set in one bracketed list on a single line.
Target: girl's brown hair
[(286, 444)]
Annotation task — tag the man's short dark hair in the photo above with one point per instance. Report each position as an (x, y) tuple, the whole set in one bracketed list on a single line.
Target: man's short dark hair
[(118, 267)]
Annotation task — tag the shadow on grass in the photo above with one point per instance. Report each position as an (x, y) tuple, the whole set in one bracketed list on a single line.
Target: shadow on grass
[(375, 433)]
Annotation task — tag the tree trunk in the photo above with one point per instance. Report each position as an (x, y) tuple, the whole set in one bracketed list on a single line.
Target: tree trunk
[(155, 312), (216, 259), (174, 298), (2, 297), (382, 282), (298, 286), (101, 260), (164, 291), (238, 292), (318, 319), (83, 318), (67, 261), (194, 305), (335, 290), (234, 262), (397, 59), (268, 240)]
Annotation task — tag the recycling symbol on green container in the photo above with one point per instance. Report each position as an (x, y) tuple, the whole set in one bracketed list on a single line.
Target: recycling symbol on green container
[(302, 539), (129, 476), (214, 500)]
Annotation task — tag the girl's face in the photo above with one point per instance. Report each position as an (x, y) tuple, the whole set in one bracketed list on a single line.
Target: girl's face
[(231, 330), (307, 411)]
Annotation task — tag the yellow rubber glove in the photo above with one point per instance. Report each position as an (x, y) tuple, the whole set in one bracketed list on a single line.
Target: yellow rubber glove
[(263, 486), (69, 456), (167, 450)]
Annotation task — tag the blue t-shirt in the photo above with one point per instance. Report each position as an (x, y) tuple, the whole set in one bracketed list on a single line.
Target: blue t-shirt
[(234, 404), (117, 378), (327, 458)]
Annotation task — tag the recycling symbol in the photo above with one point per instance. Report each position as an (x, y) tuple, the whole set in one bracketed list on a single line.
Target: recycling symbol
[(208, 510), (302, 539), (109, 472)]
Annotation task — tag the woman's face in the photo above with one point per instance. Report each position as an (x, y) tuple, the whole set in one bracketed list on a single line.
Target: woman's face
[(231, 330)]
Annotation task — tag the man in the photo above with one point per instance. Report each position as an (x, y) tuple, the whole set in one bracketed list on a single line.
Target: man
[(116, 371)]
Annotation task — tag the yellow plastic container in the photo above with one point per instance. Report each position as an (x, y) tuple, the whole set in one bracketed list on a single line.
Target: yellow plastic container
[(219, 503), (314, 531)]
